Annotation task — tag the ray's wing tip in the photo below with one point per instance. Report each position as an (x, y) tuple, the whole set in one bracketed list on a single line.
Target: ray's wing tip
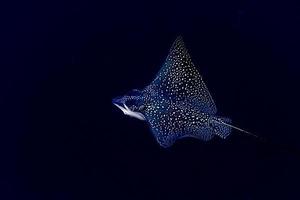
[(165, 145), (179, 39), (178, 44)]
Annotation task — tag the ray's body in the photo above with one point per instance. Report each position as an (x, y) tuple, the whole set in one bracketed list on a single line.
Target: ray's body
[(177, 103)]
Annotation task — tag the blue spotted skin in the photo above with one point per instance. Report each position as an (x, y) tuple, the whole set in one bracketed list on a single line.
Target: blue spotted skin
[(177, 103), (180, 80)]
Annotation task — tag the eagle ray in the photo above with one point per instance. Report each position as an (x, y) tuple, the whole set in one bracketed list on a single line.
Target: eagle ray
[(177, 103)]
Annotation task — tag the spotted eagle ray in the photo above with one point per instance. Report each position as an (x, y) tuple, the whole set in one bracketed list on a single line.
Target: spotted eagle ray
[(177, 103)]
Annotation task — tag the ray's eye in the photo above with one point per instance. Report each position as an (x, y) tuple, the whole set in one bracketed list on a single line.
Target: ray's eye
[(142, 107)]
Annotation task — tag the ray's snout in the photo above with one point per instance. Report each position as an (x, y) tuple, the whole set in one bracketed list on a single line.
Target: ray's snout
[(127, 110), (119, 103)]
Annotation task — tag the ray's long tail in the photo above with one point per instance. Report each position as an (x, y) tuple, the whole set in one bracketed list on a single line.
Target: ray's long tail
[(237, 128), (223, 127)]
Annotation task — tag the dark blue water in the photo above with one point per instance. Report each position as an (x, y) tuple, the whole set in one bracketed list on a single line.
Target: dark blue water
[(63, 62)]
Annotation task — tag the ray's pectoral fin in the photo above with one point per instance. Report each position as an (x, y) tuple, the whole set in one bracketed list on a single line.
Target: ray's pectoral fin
[(167, 135), (179, 79), (201, 133), (164, 139), (167, 139)]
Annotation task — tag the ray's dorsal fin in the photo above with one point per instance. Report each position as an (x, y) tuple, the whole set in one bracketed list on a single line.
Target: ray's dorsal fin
[(180, 80)]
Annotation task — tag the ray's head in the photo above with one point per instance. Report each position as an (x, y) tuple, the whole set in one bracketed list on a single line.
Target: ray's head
[(131, 104)]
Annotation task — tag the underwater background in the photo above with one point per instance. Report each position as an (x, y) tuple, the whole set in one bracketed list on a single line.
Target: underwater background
[(62, 62)]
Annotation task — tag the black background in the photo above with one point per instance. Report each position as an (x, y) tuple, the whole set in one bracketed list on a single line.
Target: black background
[(62, 63)]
